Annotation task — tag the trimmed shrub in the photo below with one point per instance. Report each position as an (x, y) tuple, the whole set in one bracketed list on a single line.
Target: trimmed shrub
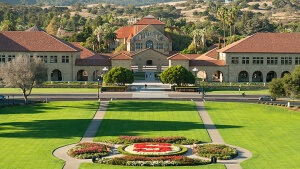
[(222, 152), (138, 139), (153, 161), (88, 150)]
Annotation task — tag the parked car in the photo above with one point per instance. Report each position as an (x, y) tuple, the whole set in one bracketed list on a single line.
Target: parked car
[(267, 98), (2, 97)]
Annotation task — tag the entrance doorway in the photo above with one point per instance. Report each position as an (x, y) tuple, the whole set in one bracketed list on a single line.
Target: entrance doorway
[(149, 63)]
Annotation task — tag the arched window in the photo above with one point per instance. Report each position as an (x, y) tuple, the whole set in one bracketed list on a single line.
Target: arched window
[(243, 76), (271, 75), (82, 75), (56, 75), (257, 76)]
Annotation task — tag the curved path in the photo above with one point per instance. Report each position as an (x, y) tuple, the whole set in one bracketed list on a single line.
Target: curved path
[(216, 138), (72, 163)]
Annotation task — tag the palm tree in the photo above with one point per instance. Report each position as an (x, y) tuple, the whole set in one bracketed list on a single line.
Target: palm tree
[(109, 37), (231, 17), (222, 14), (99, 33), (92, 41), (197, 33)]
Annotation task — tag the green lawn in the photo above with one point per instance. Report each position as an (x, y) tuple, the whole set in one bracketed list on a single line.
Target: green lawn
[(152, 119), (98, 166), (271, 133), (29, 134), (236, 92), (49, 90)]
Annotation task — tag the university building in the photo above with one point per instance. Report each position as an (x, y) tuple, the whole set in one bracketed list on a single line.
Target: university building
[(257, 58)]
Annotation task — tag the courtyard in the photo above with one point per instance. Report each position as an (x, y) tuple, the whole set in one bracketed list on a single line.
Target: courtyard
[(31, 133)]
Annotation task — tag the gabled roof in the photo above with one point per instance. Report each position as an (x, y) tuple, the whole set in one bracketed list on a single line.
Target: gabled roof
[(121, 56), (266, 43), (149, 20), (144, 50), (36, 41), (35, 28), (124, 32), (178, 56), (89, 58), (207, 62)]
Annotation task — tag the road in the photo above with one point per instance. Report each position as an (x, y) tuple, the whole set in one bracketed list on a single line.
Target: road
[(162, 95)]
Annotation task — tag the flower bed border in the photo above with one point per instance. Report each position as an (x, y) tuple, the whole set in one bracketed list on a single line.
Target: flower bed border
[(87, 155), (223, 157), (153, 161), (122, 151)]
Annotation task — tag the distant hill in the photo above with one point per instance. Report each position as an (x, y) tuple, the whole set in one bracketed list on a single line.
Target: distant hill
[(71, 2)]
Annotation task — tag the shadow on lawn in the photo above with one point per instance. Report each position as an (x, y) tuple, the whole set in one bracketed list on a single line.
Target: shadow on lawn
[(66, 128), (76, 127), (117, 127), (151, 106), (44, 108)]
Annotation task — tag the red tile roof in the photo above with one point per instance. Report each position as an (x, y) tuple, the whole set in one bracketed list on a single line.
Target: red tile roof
[(133, 54), (124, 32), (149, 20), (36, 41), (207, 62), (192, 56), (87, 54), (121, 56), (89, 58), (266, 43), (178, 56)]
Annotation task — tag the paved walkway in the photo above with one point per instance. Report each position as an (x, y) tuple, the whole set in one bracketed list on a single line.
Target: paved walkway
[(72, 163), (216, 138)]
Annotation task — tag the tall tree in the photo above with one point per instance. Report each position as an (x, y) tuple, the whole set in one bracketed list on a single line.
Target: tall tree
[(24, 72), (109, 37), (232, 15), (7, 25), (53, 26), (222, 14)]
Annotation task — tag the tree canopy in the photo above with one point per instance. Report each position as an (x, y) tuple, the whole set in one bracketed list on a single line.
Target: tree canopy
[(177, 75), (288, 86), (24, 72), (119, 75)]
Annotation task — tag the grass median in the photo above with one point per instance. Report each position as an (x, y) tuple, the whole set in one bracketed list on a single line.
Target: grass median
[(152, 119)]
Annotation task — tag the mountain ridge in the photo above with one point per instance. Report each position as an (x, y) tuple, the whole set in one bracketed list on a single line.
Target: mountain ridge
[(71, 2)]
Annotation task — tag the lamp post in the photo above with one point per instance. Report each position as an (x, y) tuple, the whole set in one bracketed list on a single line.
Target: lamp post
[(195, 70), (105, 69), (98, 87)]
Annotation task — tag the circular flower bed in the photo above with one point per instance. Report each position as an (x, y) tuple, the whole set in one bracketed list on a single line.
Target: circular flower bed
[(152, 149), (222, 152), (88, 150)]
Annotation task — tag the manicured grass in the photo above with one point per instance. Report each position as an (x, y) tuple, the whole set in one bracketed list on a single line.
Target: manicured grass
[(98, 166), (29, 134), (236, 92), (152, 119), (271, 133), (49, 90)]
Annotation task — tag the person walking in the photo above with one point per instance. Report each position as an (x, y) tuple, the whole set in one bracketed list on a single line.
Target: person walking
[(145, 86)]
